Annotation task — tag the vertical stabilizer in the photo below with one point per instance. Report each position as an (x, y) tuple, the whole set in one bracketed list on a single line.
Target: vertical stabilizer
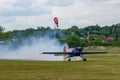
[(64, 49), (64, 55)]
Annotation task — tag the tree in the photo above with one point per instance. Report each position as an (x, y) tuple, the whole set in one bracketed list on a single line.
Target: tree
[(106, 31), (74, 40), (2, 36), (95, 40), (94, 29), (1, 29)]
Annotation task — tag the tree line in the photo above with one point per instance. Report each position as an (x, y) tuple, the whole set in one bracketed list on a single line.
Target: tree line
[(93, 35)]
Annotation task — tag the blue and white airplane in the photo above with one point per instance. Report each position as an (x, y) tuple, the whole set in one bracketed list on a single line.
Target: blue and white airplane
[(78, 51)]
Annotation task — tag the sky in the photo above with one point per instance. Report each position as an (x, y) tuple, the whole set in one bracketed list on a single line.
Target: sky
[(22, 14)]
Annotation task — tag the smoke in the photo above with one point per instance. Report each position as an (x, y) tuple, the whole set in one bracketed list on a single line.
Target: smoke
[(33, 50)]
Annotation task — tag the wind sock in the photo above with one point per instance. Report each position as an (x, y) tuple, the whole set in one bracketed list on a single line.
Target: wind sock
[(56, 21)]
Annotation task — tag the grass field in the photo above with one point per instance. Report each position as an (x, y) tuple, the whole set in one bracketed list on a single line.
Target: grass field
[(98, 67)]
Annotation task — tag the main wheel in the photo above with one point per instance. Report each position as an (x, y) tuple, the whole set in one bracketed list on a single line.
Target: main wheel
[(69, 59), (84, 59)]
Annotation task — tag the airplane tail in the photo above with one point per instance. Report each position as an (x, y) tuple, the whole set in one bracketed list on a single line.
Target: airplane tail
[(64, 49), (64, 55)]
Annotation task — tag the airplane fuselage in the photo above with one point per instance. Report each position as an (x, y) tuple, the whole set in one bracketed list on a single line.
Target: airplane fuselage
[(77, 51)]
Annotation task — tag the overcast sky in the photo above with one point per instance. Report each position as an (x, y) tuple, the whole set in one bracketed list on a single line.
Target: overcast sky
[(22, 14)]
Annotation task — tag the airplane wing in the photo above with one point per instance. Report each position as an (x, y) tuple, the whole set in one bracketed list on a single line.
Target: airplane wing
[(57, 53), (94, 52)]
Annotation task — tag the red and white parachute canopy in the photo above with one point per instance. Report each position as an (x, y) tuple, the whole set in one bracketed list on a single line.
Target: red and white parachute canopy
[(56, 21)]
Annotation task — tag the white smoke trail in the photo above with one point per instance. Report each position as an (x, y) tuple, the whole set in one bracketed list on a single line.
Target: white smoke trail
[(34, 51)]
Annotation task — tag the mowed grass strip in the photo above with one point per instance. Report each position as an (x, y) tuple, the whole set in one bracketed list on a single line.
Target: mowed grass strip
[(98, 67)]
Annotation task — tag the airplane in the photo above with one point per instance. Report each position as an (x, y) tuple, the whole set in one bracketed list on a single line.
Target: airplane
[(78, 51)]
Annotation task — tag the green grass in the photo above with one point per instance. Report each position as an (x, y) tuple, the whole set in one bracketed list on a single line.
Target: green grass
[(98, 67)]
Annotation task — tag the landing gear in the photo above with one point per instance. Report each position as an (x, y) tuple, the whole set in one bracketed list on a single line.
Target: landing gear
[(69, 59), (84, 59)]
